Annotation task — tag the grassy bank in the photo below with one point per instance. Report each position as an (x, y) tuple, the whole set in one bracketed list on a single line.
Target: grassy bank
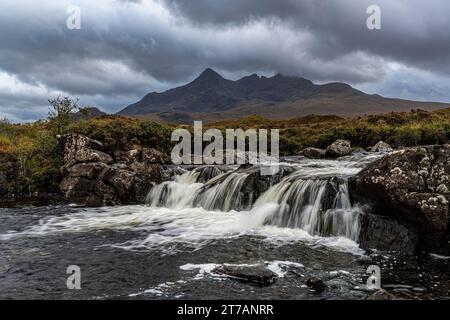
[(30, 159)]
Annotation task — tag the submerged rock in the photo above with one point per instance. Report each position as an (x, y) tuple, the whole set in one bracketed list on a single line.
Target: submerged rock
[(258, 275), (339, 148), (208, 172), (91, 178), (381, 147), (381, 294), (410, 186)]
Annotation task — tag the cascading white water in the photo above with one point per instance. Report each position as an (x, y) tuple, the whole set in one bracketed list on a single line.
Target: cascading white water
[(175, 194), (319, 205), (305, 201), (223, 196)]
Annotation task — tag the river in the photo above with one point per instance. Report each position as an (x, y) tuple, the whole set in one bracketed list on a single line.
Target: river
[(301, 224)]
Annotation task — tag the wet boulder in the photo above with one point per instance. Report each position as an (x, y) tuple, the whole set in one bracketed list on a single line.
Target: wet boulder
[(257, 275), (385, 233), (339, 148), (381, 147), (314, 153), (412, 187), (316, 284)]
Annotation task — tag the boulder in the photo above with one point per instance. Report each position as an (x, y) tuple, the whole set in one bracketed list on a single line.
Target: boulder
[(258, 275), (381, 147), (316, 284), (73, 142), (143, 155), (126, 157), (385, 233), (339, 148), (314, 153), (153, 156), (89, 155), (411, 186), (91, 178)]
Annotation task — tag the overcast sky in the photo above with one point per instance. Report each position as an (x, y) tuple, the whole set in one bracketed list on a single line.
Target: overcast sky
[(126, 49)]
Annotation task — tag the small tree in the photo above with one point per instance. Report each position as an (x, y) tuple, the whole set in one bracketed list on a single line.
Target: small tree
[(61, 112)]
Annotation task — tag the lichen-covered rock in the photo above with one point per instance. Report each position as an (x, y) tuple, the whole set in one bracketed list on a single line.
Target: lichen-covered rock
[(153, 156), (314, 153), (411, 185), (143, 155), (339, 148), (381, 147), (72, 143), (90, 177), (89, 155)]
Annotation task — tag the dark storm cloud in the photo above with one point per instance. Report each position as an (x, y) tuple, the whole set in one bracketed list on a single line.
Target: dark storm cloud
[(126, 49), (413, 31)]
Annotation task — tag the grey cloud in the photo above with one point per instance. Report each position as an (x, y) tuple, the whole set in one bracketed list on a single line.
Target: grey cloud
[(414, 31), (126, 49)]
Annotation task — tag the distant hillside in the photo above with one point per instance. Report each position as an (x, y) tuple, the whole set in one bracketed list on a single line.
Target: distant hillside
[(210, 97), (88, 113)]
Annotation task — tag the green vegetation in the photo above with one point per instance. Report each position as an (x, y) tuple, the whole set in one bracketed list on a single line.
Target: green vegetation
[(30, 157), (398, 129)]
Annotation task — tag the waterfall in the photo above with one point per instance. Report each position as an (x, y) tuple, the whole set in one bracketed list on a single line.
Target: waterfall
[(319, 205), (223, 196)]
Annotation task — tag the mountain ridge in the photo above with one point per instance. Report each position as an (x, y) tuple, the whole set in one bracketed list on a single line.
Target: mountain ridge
[(210, 96)]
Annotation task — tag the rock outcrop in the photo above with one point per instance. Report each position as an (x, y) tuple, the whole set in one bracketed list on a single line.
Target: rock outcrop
[(412, 187), (339, 148), (92, 177)]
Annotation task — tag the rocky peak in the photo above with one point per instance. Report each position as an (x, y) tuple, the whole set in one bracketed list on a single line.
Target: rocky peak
[(209, 76)]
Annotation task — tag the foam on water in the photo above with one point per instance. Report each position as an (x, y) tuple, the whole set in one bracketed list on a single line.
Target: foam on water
[(165, 228), (310, 204)]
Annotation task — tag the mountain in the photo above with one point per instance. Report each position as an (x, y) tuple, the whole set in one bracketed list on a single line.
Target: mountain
[(87, 113), (211, 97)]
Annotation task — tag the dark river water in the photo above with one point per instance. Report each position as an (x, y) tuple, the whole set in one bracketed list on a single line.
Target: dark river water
[(168, 249), (33, 266)]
